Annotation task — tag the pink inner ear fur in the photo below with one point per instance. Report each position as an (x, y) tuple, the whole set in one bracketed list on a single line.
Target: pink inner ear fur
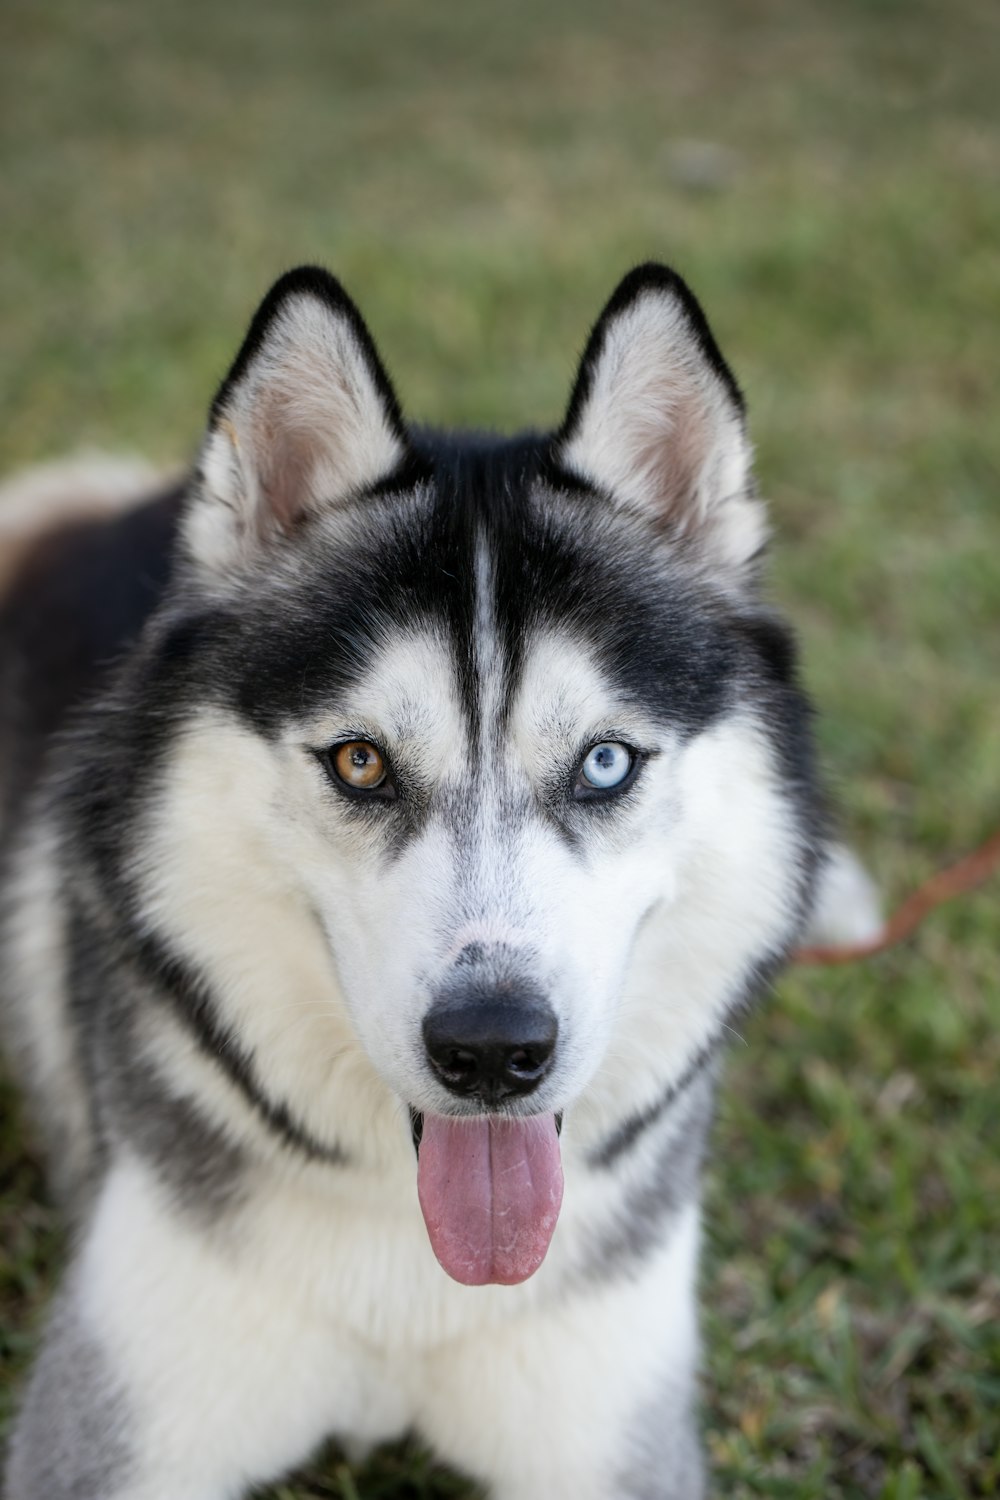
[(672, 451), (287, 458), (308, 421)]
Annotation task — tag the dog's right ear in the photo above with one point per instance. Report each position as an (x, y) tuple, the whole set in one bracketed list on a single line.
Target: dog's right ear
[(305, 419)]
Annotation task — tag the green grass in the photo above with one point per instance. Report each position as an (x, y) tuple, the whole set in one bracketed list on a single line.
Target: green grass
[(480, 176)]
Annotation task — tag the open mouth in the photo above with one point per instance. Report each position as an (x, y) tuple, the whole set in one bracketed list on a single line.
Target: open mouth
[(490, 1189), (417, 1126)]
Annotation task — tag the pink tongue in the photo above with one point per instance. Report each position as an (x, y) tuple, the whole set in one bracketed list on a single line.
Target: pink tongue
[(490, 1192)]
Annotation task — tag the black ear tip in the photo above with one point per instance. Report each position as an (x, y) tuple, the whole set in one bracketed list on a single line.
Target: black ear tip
[(308, 271), (315, 282), (650, 276), (654, 277)]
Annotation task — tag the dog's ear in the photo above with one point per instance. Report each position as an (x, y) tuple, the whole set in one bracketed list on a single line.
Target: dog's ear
[(305, 419), (657, 420)]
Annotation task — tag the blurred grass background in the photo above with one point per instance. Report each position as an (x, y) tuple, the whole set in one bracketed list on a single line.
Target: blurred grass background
[(826, 173)]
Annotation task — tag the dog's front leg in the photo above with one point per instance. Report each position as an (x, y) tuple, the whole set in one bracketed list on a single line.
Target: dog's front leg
[(591, 1396), (173, 1367)]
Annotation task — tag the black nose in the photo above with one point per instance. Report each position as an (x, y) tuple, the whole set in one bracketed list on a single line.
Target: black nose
[(490, 1049)]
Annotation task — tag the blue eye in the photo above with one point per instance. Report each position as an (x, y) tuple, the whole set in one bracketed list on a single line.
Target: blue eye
[(606, 766)]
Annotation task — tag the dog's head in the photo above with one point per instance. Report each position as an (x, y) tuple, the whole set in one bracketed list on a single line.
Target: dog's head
[(487, 780)]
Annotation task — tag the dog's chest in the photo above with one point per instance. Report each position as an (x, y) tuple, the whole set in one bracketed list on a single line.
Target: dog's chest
[(356, 1248)]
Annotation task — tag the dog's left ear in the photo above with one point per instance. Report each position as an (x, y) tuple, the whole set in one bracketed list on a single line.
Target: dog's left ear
[(305, 419), (657, 420)]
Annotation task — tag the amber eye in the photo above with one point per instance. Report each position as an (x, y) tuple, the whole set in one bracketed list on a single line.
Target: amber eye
[(359, 765)]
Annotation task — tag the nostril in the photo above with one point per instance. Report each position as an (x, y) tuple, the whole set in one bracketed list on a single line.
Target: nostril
[(528, 1062), (458, 1062)]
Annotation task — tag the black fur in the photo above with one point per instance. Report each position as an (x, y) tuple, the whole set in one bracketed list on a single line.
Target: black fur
[(189, 995), (78, 604), (623, 1138)]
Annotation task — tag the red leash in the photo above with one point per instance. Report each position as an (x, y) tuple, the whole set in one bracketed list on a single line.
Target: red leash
[(964, 875)]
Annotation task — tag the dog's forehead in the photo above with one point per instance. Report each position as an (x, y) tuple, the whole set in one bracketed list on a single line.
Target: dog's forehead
[(564, 691), (414, 691), (407, 694), (481, 593), (410, 688), (410, 693)]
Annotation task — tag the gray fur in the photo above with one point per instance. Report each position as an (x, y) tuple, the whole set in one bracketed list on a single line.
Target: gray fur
[(663, 1182), (71, 1440), (202, 1168), (134, 1105), (664, 1456)]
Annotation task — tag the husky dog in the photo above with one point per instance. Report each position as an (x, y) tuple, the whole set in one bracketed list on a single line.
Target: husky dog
[(392, 824)]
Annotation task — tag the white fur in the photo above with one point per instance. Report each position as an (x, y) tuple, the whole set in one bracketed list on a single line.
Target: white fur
[(243, 1353), (96, 483), (848, 907)]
